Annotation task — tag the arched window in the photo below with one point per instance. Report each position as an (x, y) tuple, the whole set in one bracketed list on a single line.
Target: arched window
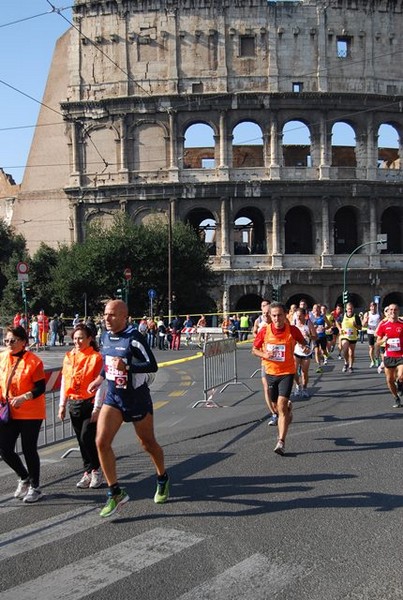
[(392, 225), (296, 145), (388, 147), (199, 148), (343, 145), (298, 231), (345, 231), (247, 145)]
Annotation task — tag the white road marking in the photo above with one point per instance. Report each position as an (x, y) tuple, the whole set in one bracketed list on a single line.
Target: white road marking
[(47, 531), (91, 574), (256, 577)]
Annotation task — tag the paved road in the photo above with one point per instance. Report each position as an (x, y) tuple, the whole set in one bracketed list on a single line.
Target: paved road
[(322, 523)]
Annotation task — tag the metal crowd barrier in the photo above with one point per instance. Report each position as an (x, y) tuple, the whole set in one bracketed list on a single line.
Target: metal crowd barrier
[(53, 430), (219, 368)]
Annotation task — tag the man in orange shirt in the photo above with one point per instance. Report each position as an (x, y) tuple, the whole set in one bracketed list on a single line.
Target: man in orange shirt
[(274, 344)]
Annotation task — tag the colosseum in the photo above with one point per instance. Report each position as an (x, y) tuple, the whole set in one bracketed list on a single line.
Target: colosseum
[(132, 79)]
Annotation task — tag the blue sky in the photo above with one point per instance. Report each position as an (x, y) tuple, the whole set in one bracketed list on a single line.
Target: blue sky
[(26, 48)]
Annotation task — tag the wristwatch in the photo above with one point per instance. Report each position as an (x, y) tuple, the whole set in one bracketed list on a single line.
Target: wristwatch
[(28, 396)]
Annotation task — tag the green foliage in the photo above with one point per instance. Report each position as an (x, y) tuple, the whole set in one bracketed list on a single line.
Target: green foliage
[(63, 280), (12, 251)]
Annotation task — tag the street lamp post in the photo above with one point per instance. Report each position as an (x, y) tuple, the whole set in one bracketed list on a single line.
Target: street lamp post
[(382, 239), (170, 262)]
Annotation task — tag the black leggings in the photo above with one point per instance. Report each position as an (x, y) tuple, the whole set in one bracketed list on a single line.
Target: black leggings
[(80, 415), (29, 431)]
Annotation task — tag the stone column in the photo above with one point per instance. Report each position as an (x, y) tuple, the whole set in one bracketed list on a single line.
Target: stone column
[(225, 236), (326, 257), (372, 149), (274, 149), (223, 148), (325, 145), (173, 163), (375, 256), (277, 260)]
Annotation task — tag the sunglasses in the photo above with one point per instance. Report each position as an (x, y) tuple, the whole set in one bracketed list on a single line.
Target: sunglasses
[(11, 341)]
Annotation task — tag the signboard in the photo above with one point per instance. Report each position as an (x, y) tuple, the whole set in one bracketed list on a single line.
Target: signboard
[(152, 294), (22, 272)]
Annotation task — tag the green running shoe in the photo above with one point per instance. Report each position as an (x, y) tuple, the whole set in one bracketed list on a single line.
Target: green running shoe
[(114, 503), (162, 491)]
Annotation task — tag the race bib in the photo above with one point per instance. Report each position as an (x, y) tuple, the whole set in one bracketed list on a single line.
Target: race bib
[(278, 352), (394, 344), (112, 374)]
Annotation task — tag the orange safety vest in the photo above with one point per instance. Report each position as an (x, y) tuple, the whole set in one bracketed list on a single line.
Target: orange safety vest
[(80, 367), (283, 345), (29, 370)]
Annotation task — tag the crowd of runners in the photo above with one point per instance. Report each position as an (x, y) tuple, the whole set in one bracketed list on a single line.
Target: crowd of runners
[(287, 341)]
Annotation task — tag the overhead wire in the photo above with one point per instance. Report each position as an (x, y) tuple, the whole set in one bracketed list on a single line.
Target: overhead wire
[(58, 11)]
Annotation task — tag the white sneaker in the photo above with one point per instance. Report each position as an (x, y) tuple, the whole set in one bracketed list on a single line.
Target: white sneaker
[(22, 489), (84, 481), (96, 478), (297, 390), (33, 495)]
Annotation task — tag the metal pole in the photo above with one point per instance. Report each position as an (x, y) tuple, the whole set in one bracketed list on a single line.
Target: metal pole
[(169, 264), (348, 262)]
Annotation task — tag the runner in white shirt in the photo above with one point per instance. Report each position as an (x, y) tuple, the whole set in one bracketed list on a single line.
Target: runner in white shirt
[(371, 321)]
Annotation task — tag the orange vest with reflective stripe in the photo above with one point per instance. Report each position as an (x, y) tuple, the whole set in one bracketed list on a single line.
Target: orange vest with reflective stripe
[(283, 346), (79, 369), (29, 370)]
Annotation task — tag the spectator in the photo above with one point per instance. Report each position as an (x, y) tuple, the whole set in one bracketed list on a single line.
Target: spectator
[(22, 385)]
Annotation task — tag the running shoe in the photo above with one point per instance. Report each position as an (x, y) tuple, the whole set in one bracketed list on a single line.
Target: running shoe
[(273, 420), (114, 503), (372, 364), (380, 369), (84, 481), (305, 393), (319, 370), (350, 369), (280, 448), (397, 403), (162, 491), (344, 369), (297, 391), (33, 495), (96, 478), (22, 489), (324, 361)]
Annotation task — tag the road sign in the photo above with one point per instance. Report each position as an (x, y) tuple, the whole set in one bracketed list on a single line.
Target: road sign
[(127, 274), (152, 294), (22, 271)]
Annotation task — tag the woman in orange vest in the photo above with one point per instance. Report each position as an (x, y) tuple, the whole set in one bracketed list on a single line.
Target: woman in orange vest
[(22, 385), (80, 367)]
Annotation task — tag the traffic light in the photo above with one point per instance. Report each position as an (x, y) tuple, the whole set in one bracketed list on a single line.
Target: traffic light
[(119, 294), (274, 295), (345, 296)]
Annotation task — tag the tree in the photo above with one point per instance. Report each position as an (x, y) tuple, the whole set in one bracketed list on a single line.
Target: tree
[(12, 250)]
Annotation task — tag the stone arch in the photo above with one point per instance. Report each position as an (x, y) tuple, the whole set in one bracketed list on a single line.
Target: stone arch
[(249, 231), (298, 231), (296, 298), (248, 302), (199, 150), (147, 148), (392, 225), (343, 145), (392, 298), (296, 144), (101, 217), (204, 223), (358, 301), (247, 145), (388, 146), (101, 149), (345, 230)]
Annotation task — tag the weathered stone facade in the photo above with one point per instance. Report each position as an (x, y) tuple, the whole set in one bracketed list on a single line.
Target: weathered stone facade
[(132, 76)]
